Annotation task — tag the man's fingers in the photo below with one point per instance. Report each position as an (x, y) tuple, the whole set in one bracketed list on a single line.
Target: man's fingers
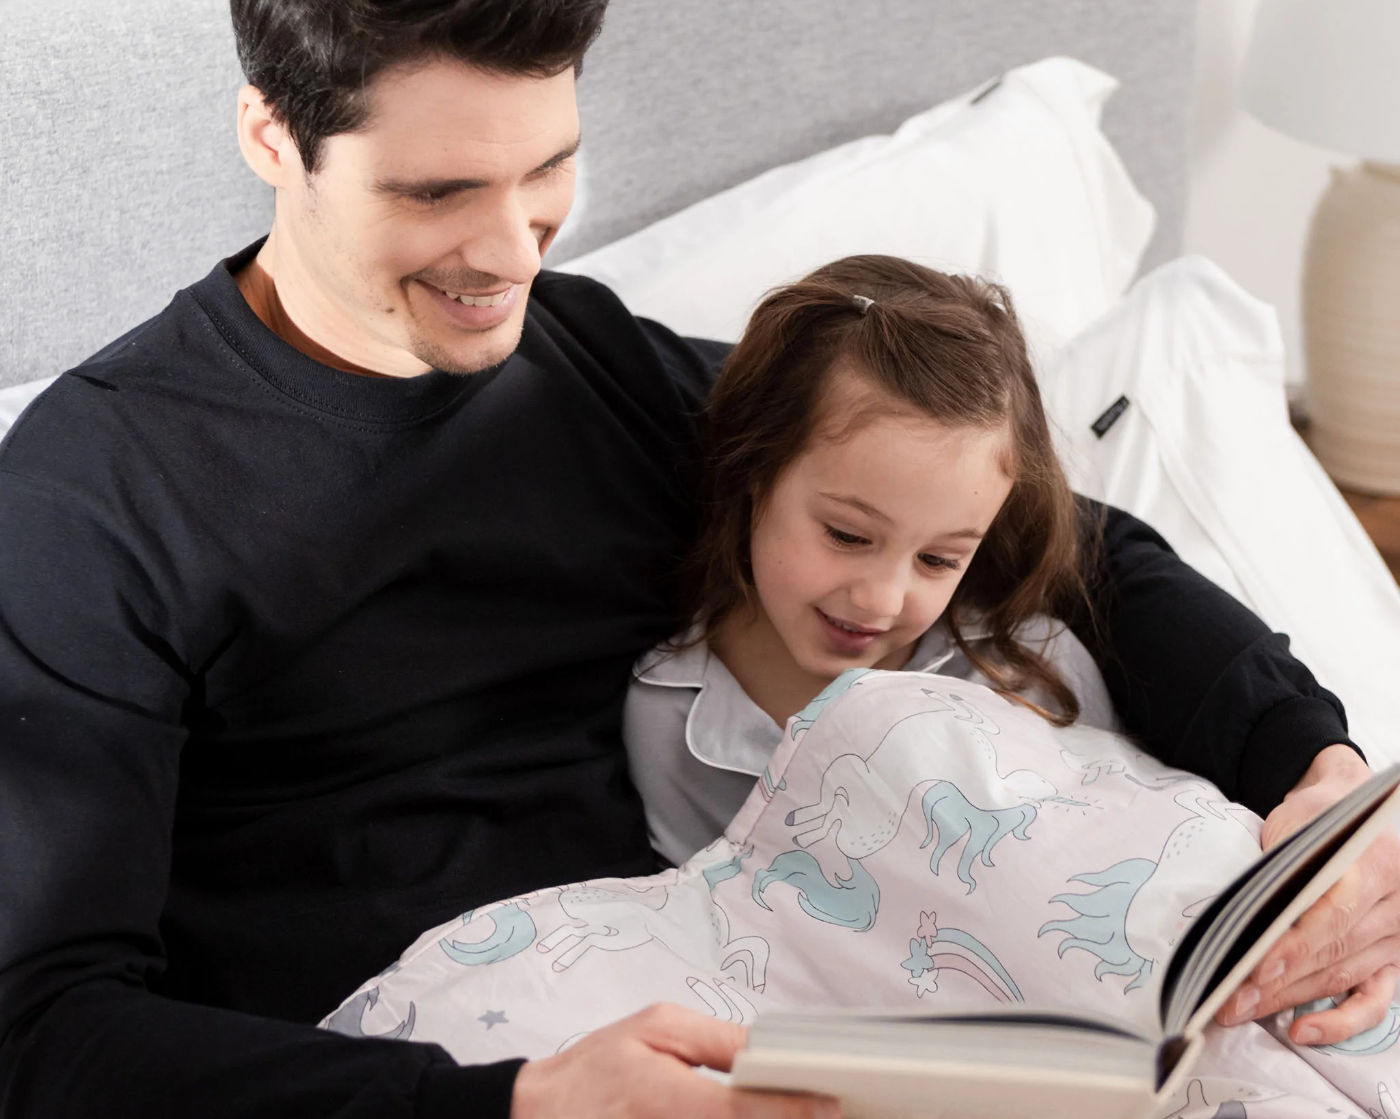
[(641, 1068), (698, 1039), (1333, 981), (1359, 909), (1364, 1008)]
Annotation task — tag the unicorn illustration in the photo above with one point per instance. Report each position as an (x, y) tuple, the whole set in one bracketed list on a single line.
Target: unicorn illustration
[(768, 788), (722, 1000), (1101, 925), (852, 902), (863, 798), (1136, 902), (1196, 1103), (747, 952), (611, 919), (963, 710), (349, 1019), (951, 816), (1094, 753), (512, 931), (802, 722), (621, 917)]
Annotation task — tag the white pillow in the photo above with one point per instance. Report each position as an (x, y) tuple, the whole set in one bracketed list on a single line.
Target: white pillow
[(1204, 453), (1017, 184)]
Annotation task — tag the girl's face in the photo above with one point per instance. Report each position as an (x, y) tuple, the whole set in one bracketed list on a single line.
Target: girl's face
[(865, 537)]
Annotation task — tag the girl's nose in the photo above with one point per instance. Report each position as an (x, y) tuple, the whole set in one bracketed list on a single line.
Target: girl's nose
[(879, 596)]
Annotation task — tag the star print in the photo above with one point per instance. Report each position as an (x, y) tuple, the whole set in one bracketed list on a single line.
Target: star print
[(925, 983), (919, 960), (493, 1018), (928, 925)]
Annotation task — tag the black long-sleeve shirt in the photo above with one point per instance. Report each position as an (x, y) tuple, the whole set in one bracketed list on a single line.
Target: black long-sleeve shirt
[(295, 664)]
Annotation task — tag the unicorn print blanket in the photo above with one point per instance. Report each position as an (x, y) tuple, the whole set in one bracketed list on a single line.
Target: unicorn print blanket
[(915, 841)]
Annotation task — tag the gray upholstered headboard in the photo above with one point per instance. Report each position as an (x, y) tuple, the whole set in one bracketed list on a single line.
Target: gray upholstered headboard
[(123, 180)]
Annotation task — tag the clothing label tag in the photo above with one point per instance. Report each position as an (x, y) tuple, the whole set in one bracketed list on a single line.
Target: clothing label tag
[(989, 89), (1110, 417)]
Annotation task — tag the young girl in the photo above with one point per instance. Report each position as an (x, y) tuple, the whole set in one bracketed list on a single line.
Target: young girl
[(882, 492)]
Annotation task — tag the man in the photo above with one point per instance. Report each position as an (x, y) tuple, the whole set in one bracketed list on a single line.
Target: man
[(320, 590)]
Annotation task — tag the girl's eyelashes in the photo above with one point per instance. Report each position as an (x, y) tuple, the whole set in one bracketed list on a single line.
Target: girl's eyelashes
[(852, 540), (942, 563), (846, 539)]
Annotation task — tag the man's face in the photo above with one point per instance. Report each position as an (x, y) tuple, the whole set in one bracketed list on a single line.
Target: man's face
[(414, 244)]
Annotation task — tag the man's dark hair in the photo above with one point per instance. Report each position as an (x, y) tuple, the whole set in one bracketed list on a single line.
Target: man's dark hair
[(314, 60)]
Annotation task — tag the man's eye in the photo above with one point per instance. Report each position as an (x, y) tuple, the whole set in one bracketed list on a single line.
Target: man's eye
[(848, 539)]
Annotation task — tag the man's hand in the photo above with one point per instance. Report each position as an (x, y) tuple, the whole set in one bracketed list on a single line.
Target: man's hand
[(643, 1066), (1348, 944)]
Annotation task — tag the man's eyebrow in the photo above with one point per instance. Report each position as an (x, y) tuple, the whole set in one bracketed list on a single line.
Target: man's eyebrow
[(406, 187), (870, 511)]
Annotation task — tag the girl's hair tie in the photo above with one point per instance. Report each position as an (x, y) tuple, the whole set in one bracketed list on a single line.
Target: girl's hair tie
[(863, 303)]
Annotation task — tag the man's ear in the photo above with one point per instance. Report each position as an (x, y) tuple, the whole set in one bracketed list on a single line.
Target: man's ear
[(264, 140)]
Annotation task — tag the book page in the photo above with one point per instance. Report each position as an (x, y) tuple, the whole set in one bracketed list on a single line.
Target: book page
[(1264, 903)]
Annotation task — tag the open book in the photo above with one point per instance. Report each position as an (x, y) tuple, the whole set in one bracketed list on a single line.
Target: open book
[(1021, 1061)]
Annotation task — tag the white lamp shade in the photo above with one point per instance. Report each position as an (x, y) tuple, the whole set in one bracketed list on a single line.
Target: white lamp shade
[(1328, 72)]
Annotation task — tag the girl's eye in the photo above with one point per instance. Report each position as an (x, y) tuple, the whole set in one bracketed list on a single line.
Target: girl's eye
[(940, 563), (846, 539)]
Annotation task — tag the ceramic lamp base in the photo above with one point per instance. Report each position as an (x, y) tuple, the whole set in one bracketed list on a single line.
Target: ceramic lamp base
[(1351, 328)]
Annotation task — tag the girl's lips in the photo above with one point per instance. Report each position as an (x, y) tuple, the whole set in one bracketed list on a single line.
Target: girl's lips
[(845, 640)]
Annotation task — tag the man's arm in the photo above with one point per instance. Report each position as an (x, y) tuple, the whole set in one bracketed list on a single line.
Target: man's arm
[(1205, 686), (94, 685), (91, 696), (1195, 675)]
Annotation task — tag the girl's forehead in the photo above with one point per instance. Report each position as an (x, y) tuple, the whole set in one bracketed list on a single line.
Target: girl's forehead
[(889, 439), (852, 406)]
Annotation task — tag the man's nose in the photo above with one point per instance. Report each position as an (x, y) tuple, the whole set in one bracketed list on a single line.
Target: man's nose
[(504, 243)]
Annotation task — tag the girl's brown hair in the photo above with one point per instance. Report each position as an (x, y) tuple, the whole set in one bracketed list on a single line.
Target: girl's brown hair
[(948, 347)]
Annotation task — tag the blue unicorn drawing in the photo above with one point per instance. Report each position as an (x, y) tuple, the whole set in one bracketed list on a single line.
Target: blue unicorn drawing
[(513, 930), (1136, 906), (800, 723), (716, 873), (1101, 925), (349, 1019), (951, 816), (852, 902)]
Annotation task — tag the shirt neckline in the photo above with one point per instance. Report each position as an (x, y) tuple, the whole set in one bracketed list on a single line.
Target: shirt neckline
[(724, 727), (334, 392)]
